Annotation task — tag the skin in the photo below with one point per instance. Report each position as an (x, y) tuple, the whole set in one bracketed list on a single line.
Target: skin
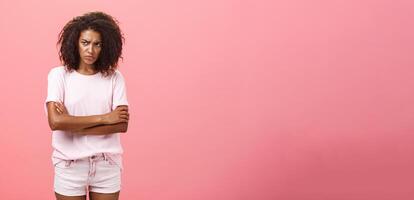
[(112, 122), (89, 44), (92, 196)]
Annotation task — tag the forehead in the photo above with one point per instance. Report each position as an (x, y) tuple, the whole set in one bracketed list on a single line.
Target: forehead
[(90, 35)]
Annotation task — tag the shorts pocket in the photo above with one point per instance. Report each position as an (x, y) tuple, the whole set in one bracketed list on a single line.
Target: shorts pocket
[(64, 164), (114, 160)]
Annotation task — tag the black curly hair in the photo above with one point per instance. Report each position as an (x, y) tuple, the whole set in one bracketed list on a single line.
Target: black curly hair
[(111, 36)]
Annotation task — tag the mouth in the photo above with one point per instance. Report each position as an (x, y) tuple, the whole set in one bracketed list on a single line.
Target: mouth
[(89, 57)]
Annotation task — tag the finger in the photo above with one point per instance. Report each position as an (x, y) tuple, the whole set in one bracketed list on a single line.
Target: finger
[(122, 120), (122, 108), (62, 107), (58, 104), (123, 112), (124, 116)]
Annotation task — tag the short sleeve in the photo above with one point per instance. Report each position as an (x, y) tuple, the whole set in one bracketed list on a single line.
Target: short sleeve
[(55, 86), (119, 96)]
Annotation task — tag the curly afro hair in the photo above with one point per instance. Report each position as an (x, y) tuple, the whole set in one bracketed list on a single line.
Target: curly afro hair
[(111, 36)]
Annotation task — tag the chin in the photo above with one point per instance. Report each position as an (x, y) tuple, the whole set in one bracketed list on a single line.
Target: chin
[(88, 62)]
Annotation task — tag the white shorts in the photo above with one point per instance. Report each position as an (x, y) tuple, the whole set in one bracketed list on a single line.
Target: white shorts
[(99, 173)]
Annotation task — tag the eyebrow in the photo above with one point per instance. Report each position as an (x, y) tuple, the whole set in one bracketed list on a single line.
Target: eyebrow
[(90, 41)]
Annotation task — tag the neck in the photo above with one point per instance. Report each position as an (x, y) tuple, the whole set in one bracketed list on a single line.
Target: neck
[(86, 69)]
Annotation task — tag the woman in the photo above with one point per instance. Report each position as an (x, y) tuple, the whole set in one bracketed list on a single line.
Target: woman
[(87, 109)]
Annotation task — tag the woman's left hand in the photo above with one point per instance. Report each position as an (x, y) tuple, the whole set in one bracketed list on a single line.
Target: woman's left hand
[(61, 108)]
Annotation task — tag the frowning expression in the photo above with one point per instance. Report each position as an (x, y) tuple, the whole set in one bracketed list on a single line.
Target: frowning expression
[(90, 46)]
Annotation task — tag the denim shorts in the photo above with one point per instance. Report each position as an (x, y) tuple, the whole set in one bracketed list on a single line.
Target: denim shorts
[(99, 173)]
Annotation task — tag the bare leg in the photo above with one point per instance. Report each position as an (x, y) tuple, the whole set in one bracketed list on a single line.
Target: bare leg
[(102, 196), (62, 197)]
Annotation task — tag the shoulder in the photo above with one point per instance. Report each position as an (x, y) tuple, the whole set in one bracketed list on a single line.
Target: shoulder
[(57, 71), (117, 75), (117, 72)]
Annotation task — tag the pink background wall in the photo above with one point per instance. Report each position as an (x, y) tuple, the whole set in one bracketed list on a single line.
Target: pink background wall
[(230, 100)]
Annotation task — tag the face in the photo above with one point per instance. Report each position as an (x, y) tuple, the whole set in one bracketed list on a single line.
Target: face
[(89, 46)]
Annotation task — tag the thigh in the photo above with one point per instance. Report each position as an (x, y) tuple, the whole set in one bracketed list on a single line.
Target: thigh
[(107, 178), (103, 196), (71, 178), (62, 197)]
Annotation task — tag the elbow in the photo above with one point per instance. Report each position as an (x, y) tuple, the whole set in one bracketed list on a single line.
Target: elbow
[(54, 124), (124, 128)]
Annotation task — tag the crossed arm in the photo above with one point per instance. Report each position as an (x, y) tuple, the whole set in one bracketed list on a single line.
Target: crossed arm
[(112, 122)]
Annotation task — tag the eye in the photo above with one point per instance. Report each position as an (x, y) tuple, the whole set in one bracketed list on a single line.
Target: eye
[(99, 44), (84, 43)]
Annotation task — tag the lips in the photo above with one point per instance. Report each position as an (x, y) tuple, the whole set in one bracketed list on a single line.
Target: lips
[(89, 57)]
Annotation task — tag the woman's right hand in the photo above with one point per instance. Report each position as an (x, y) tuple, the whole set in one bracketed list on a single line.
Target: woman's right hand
[(120, 114)]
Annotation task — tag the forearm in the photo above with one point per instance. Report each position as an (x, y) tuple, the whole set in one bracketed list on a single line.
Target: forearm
[(59, 119), (103, 129), (75, 123)]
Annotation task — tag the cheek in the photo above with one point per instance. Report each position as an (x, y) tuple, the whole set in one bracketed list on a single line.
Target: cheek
[(81, 49)]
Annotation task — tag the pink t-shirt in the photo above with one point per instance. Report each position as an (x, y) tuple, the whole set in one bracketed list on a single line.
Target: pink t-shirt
[(85, 95)]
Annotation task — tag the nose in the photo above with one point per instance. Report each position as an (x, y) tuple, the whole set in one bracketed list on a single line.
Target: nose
[(89, 49)]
